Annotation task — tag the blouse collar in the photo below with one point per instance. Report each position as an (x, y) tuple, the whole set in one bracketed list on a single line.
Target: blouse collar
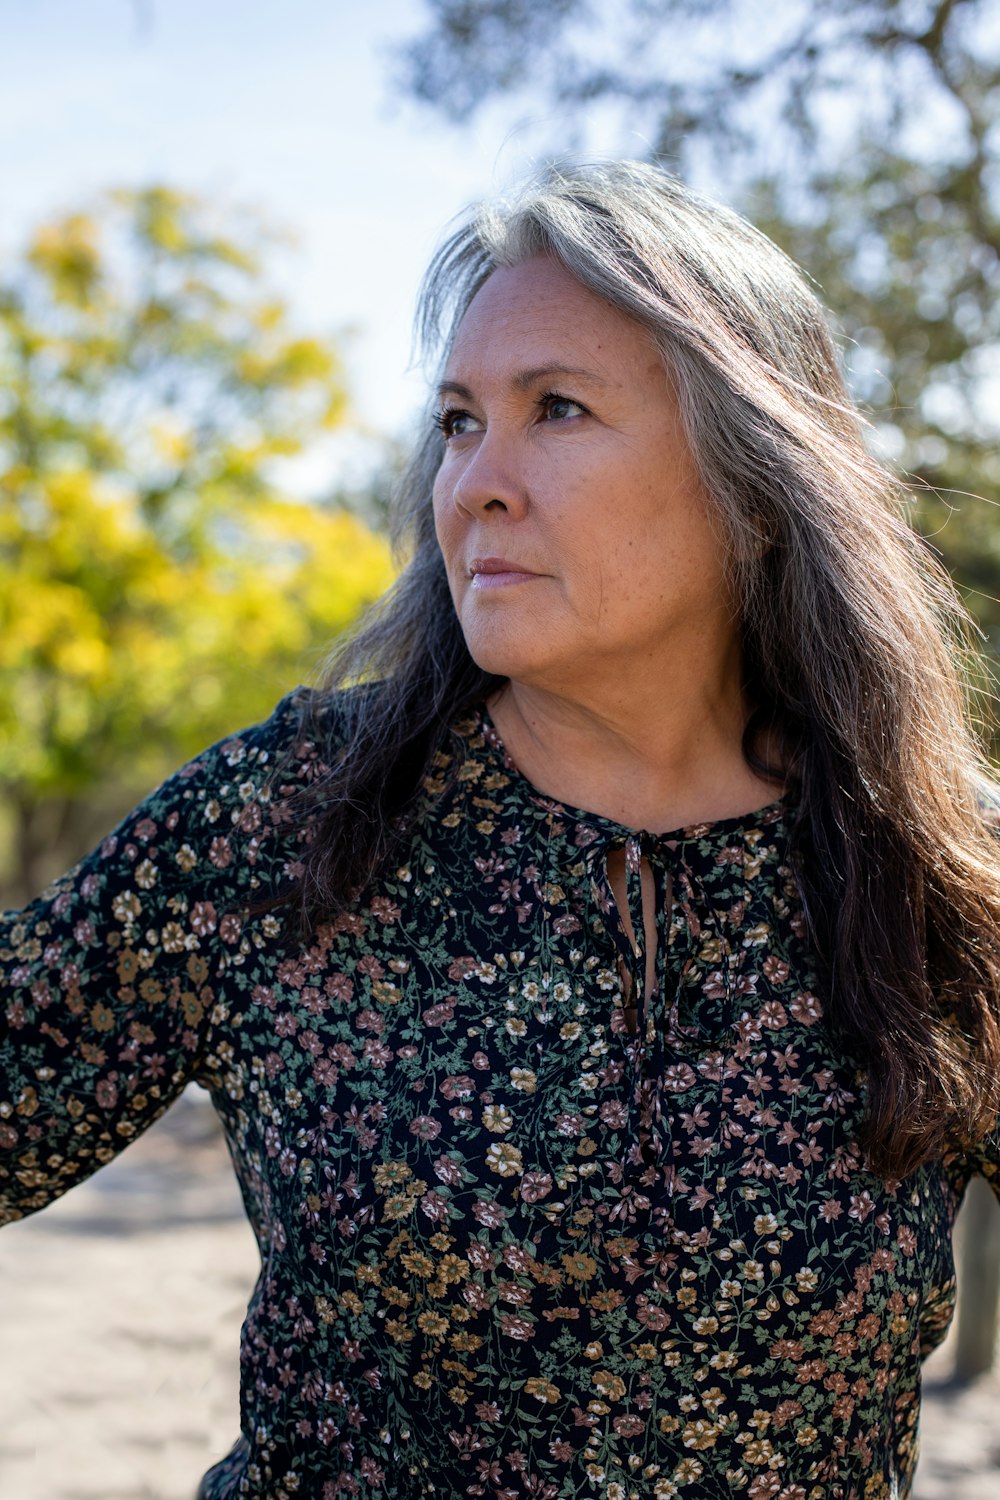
[(590, 831)]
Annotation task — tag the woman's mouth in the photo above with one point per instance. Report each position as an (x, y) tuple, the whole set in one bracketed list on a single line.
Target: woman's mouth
[(498, 572)]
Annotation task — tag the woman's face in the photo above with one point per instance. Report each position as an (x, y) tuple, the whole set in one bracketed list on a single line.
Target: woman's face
[(577, 539)]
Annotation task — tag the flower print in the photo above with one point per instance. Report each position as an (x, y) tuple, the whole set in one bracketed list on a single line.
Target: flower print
[(513, 1326), (230, 928), (497, 1118), (85, 933), (542, 1390), (384, 910), (679, 1077), (203, 918), (459, 1086), (418, 1263), (186, 858), (461, 968), (106, 1094), (861, 1206), (806, 1009), (126, 906), (907, 1239), (772, 1015), (433, 1324), (608, 1384), (102, 1018), (192, 1008), (535, 1186), (435, 1207), (700, 1434), (488, 1212), (688, 1470), (764, 1487), (504, 1159), (392, 1173), (372, 1473), (310, 1041), (579, 1266), (377, 1053), (448, 1171), (220, 852)]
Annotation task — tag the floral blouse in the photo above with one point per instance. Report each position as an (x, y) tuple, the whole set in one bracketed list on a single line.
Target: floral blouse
[(511, 1244)]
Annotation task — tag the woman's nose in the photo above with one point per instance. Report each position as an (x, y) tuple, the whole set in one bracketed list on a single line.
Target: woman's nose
[(489, 482)]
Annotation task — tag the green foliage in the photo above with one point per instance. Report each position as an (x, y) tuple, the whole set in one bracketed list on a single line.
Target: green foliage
[(157, 589), (860, 134)]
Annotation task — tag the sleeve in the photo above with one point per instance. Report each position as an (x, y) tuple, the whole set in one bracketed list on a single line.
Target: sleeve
[(982, 1161), (109, 982)]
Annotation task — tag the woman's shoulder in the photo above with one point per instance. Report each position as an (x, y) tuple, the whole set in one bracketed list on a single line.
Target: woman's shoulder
[(238, 769), (307, 726), (265, 743)]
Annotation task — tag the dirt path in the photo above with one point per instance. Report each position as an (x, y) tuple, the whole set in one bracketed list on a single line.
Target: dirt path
[(120, 1310)]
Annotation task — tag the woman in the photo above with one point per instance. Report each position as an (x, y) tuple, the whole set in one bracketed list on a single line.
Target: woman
[(599, 990)]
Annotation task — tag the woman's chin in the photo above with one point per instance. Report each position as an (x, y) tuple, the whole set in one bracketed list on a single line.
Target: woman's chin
[(503, 651), (506, 660), (508, 664)]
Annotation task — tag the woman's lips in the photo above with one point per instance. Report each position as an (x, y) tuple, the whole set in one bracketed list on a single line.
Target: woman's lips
[(498, 573)]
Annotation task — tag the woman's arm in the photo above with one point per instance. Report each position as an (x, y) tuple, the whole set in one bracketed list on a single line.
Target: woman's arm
[(111, 982)]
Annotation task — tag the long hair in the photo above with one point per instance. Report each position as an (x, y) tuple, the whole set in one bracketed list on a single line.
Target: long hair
[(854, 640)]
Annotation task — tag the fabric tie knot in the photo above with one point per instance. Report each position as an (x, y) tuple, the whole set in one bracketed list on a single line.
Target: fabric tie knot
[(679, 1008)]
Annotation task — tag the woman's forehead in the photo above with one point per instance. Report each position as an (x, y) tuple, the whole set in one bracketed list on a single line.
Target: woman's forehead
[(537, 316)]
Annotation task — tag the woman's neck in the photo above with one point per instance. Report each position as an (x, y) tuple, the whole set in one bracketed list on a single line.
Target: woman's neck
[(656, 765)]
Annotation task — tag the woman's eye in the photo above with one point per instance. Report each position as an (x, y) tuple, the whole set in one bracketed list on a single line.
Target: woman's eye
[(559, 407), (453, 422)]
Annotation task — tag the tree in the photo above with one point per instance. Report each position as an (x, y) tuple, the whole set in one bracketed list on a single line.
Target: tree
[(157, 588), (860, 134)]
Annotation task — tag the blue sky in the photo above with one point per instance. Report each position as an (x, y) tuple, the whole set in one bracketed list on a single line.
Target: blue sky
[(286, 105)]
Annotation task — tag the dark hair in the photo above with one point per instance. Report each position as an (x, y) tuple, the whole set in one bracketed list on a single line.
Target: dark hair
[(853, 637)]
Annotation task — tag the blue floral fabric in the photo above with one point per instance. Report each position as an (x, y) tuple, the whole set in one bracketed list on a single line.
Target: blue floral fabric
[(511, 1244)]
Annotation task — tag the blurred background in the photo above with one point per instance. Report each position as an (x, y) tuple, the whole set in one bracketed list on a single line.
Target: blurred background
[(214, 221)]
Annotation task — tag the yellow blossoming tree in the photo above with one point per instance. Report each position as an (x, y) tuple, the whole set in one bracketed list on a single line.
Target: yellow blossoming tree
[(157, 587)]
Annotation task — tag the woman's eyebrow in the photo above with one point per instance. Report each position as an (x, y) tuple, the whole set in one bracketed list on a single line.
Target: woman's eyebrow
[(524, 379)]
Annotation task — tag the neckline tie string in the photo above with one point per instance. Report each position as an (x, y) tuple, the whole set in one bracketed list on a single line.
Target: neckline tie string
[(683, 915)]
